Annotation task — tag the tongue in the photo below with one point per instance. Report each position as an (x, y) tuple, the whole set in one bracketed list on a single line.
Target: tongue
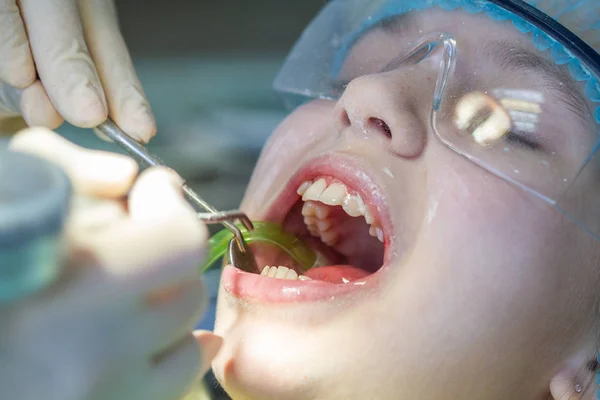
[(336, 273)]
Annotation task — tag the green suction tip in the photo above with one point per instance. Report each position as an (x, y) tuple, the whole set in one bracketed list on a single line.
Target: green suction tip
[(264, 232)]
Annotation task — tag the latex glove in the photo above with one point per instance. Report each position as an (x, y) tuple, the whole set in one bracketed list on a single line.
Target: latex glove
[(118, 324), (67, 59)]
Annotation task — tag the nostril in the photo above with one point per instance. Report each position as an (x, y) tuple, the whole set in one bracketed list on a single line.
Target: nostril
[(381, 126), (344, 119)]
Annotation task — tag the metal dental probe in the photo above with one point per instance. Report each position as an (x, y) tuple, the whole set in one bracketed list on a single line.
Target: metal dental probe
[(241, 256)]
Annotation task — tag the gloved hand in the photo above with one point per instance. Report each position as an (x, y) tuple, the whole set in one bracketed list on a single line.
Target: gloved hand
[(67, 59), (118, 324)]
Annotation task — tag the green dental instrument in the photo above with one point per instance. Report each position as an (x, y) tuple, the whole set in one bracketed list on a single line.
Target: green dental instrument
[(220, 245)]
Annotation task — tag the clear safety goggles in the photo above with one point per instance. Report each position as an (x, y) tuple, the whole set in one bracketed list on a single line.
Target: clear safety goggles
[(524, 126)]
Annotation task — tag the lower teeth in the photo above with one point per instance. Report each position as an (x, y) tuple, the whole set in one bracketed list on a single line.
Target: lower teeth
[(282, 272)]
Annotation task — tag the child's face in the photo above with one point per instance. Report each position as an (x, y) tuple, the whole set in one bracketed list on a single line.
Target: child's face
[(485, 290)]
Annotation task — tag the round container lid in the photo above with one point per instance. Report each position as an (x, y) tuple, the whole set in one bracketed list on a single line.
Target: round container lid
[(34, 198)]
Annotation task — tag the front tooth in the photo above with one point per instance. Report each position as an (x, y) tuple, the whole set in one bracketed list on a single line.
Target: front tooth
[(304, 187), (304, 278), (368, 217), (329, 238), (353, 205), (308, 209), (323, 224), (373, 231), (322, 211), (379, 233), (310, 221), (315, 190), (281, 272), (314, 231), (291, 274), (333, 195)]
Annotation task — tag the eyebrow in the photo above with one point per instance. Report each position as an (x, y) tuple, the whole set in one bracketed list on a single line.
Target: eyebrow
[(515, 58), (398, 24)]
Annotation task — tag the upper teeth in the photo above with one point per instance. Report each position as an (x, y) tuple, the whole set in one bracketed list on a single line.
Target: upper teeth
[(318, 195), (282, 272)]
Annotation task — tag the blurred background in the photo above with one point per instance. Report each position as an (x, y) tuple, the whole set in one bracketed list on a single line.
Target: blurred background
[(207, 69)]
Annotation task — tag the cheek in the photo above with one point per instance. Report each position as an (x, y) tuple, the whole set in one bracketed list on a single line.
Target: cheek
[(299, 134), (502, 249), (490, 231), (484, 208), (485, 273), (301, 130)]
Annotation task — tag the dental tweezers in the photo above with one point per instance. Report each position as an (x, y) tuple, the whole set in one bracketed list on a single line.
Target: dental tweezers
[(239, 254)]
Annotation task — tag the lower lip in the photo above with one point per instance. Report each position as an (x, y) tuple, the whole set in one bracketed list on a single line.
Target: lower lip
[(254, 287)]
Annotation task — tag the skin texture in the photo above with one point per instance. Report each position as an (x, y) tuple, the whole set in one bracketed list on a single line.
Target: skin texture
[(118, 323), (490, 293)]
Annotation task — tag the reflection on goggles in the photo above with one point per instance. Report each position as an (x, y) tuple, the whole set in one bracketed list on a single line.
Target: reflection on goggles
[(523, 106), (488, 119), (483, 117)]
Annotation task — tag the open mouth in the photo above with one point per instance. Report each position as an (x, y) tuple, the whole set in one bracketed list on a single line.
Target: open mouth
[(335, 221), (335, 208)]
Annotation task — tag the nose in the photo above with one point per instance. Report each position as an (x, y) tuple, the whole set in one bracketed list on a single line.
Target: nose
[(390, 105)]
